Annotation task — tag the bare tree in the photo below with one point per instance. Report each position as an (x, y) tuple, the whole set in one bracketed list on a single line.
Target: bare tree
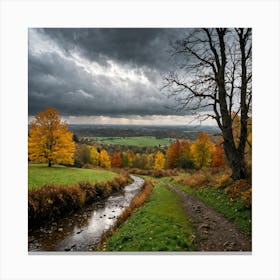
[(215, 77)]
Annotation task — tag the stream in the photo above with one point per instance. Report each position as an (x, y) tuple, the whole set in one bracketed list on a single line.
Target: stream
[(82, 230)]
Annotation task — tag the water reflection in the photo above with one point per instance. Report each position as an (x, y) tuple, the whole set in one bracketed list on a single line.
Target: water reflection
[(82, 230)]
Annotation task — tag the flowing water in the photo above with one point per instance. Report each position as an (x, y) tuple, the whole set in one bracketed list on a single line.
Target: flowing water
[(82, 230)]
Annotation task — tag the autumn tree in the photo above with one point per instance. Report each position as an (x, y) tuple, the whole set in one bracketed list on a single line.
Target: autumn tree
[(159, 161), (131, 158), (173, 154), (149, 161), (116, 160), (105, 159), (94, 156), (219, 159), (125, 159), (138, 161), (82, 155), (49, 139), (202, 150), (236, 125), (214, 75), (185, 159)]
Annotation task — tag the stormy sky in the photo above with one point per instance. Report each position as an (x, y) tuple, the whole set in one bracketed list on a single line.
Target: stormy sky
[(103, 75)]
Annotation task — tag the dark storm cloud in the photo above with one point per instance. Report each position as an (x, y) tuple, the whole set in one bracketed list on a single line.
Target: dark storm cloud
[(137, 46), (107, 72)]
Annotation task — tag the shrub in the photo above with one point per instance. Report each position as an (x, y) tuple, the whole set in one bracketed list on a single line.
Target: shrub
[(246, 198), (237, 187), (52, 201), (195, 180), (155, 173), (241, 189)]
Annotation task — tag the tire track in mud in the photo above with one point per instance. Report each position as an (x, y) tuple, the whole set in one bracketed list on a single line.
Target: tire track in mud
[(216, 233)]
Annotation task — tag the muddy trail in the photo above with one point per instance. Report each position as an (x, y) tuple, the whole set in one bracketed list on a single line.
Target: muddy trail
[(215, 232), (81, 231)]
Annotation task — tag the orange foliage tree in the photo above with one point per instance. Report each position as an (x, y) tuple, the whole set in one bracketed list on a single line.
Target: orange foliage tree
[(105, 159), (116, 160), (173, 155), (219, 157), (159, 161), (49, 139), (179, 155), (202, 150)]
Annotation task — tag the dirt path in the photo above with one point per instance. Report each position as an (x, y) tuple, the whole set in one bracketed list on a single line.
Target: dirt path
[(216, 232)]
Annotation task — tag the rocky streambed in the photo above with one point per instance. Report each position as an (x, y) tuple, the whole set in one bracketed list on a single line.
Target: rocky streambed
[(82, 230)]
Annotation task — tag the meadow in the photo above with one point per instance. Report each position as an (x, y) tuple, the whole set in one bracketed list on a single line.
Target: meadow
[(160, 225), (140, 141), (40, 175)]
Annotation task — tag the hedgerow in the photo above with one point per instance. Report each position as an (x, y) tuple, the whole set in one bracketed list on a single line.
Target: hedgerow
[(51, 201), (155, 173)]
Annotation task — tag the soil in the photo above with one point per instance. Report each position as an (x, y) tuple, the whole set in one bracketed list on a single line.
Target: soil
[(215, 232)]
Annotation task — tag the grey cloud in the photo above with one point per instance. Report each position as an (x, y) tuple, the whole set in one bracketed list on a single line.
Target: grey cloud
[(135, 46), (55, 81)]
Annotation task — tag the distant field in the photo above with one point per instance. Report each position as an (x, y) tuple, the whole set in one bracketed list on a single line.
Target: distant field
[(40, 174), (142, 141)]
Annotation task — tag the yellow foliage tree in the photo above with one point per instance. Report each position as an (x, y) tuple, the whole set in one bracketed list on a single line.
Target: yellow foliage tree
[(202, 150), (236, 130), (49, 139), (149, 161), (159, 161), (94, 156), (104, 159)]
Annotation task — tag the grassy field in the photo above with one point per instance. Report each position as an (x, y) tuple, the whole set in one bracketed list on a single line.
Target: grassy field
[(141, 141), (40, 174), (160, 225), (233, 210)]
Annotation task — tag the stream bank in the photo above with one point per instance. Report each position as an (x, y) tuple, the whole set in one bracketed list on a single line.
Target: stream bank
[(82, 230)]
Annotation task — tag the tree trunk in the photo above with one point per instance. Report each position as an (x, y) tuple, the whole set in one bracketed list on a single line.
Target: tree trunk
[(238, 167), (235, 160), (49, 163)]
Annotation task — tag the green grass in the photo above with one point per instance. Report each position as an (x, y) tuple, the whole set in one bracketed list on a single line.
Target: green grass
[(40, 174), (160, 225), (233, 210), (141, 141)]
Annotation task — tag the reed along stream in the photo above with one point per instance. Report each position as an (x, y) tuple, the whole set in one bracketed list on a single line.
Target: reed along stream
[(82, 230)]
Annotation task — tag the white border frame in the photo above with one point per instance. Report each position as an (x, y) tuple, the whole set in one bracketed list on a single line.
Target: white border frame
[(17, 16)]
